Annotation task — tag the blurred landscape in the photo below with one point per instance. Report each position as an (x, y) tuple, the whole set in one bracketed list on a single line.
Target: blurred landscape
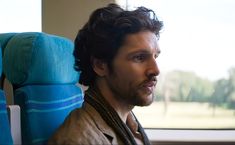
[(186, 100), (181, 115)]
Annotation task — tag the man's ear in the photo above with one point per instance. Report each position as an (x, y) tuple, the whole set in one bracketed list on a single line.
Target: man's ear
[(99, 66)]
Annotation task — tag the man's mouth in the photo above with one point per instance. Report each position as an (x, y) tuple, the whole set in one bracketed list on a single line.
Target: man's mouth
[(150, 85)]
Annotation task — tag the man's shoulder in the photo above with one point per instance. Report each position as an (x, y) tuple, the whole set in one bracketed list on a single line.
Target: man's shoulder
[(80, 126), (80, 119)]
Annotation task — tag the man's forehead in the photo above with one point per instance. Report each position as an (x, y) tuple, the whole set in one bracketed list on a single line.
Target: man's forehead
[(142, 43)]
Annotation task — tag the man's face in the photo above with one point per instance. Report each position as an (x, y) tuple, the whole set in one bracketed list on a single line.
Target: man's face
[(134, 69)]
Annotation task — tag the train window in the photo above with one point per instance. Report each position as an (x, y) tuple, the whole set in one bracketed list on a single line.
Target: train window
[(20, 15), (196, 87)]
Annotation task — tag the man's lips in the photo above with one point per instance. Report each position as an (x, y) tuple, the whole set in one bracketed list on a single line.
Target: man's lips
[(150, 84)]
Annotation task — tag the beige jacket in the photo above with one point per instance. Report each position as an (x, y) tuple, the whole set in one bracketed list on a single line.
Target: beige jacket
[(85, 127)]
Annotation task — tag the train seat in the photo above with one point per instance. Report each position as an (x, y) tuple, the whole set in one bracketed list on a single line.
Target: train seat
[(40, 68), (5, 132)]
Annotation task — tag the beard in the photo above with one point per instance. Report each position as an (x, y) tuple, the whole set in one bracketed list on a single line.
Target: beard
[(130, 91), (133, 95), (142, 99)]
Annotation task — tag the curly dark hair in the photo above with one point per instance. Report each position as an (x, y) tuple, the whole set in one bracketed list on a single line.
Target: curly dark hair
[(104, 33)]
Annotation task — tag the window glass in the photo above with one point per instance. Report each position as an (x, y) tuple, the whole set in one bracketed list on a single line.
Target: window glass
[(196, 87), (20, 16)]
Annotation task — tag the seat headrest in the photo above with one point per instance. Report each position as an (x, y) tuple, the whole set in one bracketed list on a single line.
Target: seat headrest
[(4, 38), (39, 58)]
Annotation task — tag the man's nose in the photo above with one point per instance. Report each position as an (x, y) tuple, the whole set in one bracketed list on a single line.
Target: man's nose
[(153, 69)]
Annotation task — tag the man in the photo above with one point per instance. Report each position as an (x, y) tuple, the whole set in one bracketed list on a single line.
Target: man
[(116, 52)]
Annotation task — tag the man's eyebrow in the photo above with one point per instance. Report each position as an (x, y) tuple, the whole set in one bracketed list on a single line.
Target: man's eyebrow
[(139, 51), (143, 51)]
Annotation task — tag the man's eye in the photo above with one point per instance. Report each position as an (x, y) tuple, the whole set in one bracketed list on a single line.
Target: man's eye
[(139, 58)]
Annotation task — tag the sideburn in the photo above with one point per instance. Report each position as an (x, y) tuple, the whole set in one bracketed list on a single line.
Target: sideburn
[(110, 67)]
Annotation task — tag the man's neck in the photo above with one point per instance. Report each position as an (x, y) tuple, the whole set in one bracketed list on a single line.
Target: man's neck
[(119, 106)]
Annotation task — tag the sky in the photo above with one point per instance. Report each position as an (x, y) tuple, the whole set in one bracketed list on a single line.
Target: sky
[(198, 35)]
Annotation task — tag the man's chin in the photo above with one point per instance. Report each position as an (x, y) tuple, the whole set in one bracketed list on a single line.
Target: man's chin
[(146, 101)]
